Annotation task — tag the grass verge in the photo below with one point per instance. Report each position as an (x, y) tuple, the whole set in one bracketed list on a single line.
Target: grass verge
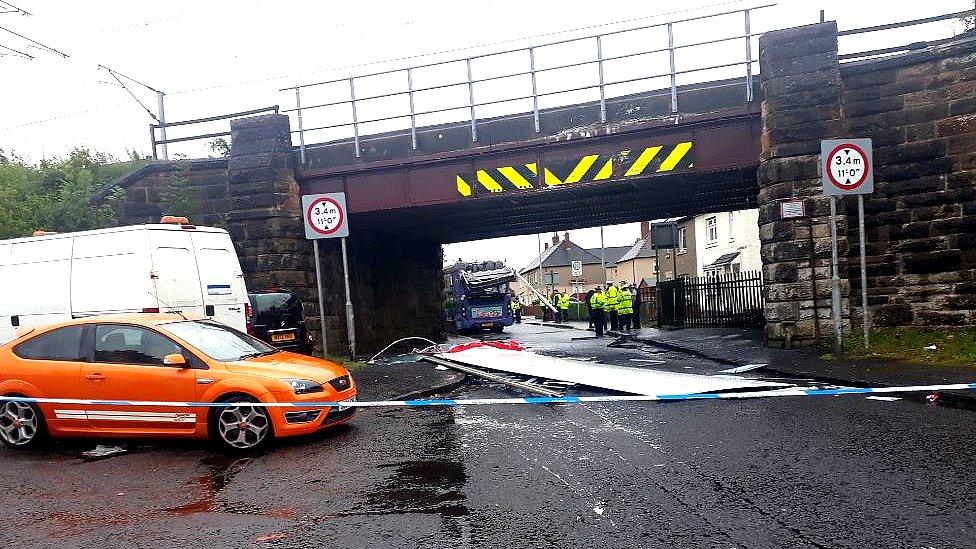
[(937, 346)]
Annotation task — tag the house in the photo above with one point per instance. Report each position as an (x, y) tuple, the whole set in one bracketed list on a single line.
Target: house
[(557, 273), (640, 261), (727, 242)]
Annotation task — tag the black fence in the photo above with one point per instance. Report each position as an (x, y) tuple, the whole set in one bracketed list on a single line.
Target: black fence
[(723, 300)]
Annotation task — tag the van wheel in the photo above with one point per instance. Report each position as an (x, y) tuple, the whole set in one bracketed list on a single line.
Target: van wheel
[(239, 427), (22, 425)]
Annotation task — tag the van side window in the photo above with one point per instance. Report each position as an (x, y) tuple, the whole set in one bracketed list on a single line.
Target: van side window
[(118, 344), (59, 344)]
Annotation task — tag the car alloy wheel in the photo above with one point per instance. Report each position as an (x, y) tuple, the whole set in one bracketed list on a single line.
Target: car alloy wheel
[(19, 423), (243, 427)]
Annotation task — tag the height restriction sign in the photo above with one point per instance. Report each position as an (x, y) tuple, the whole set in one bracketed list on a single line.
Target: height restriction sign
[(325, 215), (848, 166)]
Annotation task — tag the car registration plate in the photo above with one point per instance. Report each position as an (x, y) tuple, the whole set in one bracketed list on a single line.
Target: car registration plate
[(278, 338), (488, 324), (340, 407)]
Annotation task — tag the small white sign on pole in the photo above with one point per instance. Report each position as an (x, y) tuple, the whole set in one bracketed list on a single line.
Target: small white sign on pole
[(848, 166), (577, 267)]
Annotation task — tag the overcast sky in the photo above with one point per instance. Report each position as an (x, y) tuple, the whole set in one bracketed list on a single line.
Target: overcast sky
[(223, 56)]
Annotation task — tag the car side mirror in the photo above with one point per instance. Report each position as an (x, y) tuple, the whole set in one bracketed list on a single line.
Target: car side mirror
[(175, 359)]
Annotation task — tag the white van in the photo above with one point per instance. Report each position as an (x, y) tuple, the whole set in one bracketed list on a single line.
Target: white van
[(164, 267)]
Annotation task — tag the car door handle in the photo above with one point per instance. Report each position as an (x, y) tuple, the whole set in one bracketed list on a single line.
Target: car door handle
[(95, 377)]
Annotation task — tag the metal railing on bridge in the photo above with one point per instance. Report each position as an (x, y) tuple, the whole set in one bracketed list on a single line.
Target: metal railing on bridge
[(743, 40), (854, 56)]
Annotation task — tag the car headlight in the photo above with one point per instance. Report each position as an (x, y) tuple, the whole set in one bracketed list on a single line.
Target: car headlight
[(304, 386)]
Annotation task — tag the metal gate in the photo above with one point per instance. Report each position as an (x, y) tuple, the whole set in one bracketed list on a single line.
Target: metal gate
[(724, 300)]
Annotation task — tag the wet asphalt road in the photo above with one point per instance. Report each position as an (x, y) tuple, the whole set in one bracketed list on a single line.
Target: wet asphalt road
[(809, 472)]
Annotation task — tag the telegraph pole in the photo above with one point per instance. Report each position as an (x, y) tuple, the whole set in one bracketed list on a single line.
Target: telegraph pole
[(162, 123)]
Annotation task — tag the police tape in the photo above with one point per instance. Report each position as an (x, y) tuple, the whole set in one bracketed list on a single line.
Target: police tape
[(787, 392)]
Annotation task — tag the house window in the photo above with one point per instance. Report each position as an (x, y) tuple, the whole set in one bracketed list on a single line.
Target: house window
[(682, 239), (731, 225), (711, 231)]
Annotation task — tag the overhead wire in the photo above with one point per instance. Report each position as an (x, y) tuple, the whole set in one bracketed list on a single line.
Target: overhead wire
[(22, 54), (35, 42), (14, 9)]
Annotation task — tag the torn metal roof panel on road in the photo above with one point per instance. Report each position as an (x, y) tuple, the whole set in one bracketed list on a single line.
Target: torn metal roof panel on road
[(639, 381)]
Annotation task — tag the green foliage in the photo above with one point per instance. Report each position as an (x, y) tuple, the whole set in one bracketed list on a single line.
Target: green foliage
[(178, 199), (55, 195), (220, 146)]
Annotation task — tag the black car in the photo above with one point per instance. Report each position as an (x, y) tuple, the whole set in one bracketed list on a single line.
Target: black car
[(277, 318)]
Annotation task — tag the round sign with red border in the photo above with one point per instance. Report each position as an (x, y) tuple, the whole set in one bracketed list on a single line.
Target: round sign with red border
[(324, 215), (847, 166)]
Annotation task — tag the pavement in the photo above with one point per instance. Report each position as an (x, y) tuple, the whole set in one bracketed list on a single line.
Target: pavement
[(805, 472)]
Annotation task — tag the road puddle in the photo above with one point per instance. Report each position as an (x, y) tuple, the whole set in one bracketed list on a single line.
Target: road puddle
[(221, 470)]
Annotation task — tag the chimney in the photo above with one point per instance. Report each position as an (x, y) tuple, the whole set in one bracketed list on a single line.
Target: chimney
[(566, 236), (555, 239), (645, 229)]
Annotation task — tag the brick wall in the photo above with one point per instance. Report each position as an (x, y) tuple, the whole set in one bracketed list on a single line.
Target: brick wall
[(205, 179), (920, 110)]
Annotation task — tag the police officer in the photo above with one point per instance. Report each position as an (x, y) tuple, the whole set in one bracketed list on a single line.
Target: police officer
[(516, 309), (564, 307), (612, 298), (597, 303), (625, 306)]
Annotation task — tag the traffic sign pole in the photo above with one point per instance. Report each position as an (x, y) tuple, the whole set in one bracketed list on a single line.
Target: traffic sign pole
[(835, 277), (318, 282), (325, 216), (350, 314), (864, 270), (847, 167)]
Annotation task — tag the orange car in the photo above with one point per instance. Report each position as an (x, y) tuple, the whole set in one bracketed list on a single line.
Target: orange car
[(162, 358)]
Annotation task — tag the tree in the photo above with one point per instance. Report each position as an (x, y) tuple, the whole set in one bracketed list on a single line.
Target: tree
[(55, 195), (220, 146)]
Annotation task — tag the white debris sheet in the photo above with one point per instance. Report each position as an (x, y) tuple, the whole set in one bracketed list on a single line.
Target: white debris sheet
[(639, 381)]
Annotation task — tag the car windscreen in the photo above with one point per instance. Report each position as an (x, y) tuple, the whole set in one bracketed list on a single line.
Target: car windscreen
[(276, 303), (218, 341)]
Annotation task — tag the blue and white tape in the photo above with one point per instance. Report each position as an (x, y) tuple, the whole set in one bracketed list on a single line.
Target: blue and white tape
[(788, 392)]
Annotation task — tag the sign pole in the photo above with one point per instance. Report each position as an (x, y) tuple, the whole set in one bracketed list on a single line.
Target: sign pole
[(325, 216), (847, 167), (864, 270), (318, 282), (350, 315), (834, 276)]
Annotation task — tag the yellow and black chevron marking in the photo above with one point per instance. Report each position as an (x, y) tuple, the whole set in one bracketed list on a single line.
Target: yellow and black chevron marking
[(590, 168)]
